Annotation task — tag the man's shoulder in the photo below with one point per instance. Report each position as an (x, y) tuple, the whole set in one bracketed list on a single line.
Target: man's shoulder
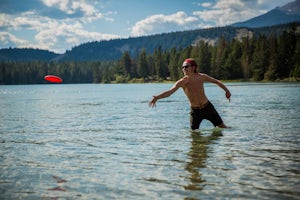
[(181, 82), (201, 74), (183, 79)]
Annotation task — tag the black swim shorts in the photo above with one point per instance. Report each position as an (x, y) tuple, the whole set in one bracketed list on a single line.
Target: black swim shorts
[(207, 112)]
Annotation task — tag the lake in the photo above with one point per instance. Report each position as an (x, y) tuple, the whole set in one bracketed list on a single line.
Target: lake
[(95, 141)]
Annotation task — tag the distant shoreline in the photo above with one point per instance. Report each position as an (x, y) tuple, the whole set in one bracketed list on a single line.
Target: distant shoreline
[(286, 80)]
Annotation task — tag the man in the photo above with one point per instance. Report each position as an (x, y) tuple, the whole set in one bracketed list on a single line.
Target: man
[(193, 85)]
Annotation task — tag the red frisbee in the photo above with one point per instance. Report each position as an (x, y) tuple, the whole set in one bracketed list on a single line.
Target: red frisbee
[(53, 79)]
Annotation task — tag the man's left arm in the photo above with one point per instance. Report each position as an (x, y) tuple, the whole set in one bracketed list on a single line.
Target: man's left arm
[(219, 83)]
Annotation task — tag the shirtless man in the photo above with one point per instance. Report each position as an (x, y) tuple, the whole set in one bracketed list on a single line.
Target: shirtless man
[(192, 84)]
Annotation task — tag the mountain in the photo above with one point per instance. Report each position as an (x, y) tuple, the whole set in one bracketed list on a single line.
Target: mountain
[(275, 20), (113, 49), (280, 15), (26, 54)]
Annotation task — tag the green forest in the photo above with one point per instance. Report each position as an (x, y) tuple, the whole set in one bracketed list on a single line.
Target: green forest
[(273, 57)]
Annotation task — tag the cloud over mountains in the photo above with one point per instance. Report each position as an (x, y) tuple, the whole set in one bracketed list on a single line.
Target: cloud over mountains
[(58, 25)]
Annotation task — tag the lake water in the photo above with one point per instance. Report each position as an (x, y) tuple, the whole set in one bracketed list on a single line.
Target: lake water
[(94, 141)]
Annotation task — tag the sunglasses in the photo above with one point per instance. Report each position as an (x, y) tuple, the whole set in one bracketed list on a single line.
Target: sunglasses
[(186, 66)]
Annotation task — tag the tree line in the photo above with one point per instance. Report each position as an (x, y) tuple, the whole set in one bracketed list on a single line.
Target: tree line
[(272, 57)]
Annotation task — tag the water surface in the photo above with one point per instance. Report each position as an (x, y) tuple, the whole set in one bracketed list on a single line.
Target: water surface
[(95, 141)]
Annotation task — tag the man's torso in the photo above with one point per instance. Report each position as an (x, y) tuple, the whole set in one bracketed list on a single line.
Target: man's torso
[(194, 90)]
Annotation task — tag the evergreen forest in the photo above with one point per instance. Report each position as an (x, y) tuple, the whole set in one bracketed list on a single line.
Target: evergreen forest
[(269, 57)]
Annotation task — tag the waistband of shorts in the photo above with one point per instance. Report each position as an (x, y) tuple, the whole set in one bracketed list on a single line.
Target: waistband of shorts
[(200, 107)]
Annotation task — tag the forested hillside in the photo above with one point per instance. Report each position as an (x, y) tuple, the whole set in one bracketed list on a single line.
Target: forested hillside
[(112, 50), (272, 56), (26, 54)]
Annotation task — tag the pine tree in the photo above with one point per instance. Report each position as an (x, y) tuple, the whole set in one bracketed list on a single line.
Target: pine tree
[(232, 66), (296, 69), (143, 70), (125, 64), (173, 64), (246, 59), (159, 63), (218, 60), (260, 58), (286, 51), (272, 70), (205, 54)]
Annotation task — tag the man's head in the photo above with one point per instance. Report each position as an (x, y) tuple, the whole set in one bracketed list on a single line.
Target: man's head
[(189, 63)]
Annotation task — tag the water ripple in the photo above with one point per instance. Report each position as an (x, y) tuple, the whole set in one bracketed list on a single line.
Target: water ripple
[(103, 142)]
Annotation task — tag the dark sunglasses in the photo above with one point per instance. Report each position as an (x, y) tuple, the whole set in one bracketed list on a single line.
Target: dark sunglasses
[(186, 66)]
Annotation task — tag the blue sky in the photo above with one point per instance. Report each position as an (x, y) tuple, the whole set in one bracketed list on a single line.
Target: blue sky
[(59, 25)]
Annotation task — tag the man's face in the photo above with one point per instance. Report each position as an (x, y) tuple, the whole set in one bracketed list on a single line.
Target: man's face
[(187, 68)]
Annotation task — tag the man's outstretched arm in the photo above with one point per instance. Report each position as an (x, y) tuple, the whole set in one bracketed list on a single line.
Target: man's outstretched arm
[(165, 94)]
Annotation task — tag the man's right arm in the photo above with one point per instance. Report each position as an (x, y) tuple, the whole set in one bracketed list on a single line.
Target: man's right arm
[(165, 94)]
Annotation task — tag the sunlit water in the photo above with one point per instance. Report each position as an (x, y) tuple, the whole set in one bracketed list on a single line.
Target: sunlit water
[(98, 141)]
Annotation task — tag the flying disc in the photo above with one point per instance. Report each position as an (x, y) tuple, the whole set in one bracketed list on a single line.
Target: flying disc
[(53, 79)]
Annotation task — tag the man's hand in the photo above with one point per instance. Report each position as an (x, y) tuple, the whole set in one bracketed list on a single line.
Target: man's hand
[(152, 103), (228, 95)]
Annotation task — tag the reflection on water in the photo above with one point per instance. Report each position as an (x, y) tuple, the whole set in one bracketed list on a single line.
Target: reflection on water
[(198, 155)]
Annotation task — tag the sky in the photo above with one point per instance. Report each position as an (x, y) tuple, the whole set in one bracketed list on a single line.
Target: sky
[(59, 25)]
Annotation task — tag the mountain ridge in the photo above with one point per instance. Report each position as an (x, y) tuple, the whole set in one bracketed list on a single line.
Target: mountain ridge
[(279, 15), (107, 50)]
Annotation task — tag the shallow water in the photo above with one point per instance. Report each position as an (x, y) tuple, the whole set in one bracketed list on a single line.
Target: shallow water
[(97, 141)]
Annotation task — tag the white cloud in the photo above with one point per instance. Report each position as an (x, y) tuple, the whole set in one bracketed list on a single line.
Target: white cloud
[(56, 35), (58, 25), (50, 33), (83, 8), (220, 13), (226, 12), (9, 40), (70, 6), (67, 35), (163, 23), (206, 4)]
